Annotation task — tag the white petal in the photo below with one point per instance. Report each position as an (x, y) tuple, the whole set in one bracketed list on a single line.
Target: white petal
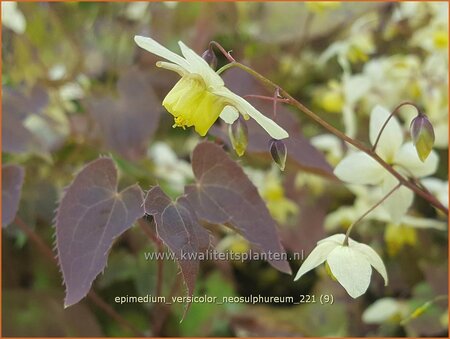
[(424, 223), (349, 118), (200, 66), (351, 270), (398, 203), (274, 130), (335, 238), (408, 160), (355, 87), (229, 114), (372, 257), (359, 168), (315, 258), (156, 48), (392, 137), (12, 17), (381, 311), (172, 67)]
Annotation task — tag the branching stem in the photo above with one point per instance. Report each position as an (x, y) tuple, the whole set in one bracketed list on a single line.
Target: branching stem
[(404, 181)]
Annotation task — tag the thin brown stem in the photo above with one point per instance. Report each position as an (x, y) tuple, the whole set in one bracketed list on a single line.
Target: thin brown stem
[(347, 234), (394, 112), (36, 239), (263, 97), (222, 50), (430, 198), (94, 297), (160, 265), (100, 303)]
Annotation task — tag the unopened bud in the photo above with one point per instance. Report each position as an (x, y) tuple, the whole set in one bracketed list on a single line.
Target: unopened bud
[(238, 133), (210, 57), (422, 135), (278, 151)]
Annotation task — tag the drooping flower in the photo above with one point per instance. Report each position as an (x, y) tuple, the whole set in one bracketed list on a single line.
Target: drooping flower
[(351, 265), (360, 168), (200, 96)]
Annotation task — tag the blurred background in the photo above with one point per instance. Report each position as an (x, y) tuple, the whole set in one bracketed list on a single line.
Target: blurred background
[(75, 87)]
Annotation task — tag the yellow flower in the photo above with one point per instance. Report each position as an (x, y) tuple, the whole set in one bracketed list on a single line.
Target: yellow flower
[(280, 207), (399, 236), (200, 96), (320, 7), (440, 39)]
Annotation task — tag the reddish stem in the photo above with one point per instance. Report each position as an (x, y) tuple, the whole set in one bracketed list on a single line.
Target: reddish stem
[(394, 112), (263, 97), (222, 50), (430, 198)]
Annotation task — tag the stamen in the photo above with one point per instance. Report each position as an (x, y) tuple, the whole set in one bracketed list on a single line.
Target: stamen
[(180, 122)]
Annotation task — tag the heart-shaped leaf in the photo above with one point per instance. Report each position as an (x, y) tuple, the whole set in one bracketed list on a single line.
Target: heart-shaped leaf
[(224, 195), (178, 228), (128, 123), (91, 215), (12, 180)]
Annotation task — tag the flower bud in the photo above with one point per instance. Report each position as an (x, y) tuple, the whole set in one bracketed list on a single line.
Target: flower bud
[(278, 151), (238, 133), (210, 57), (422, 135)]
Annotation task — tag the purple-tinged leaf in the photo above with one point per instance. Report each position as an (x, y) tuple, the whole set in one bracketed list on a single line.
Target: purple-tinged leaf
[(127, 123), (224, 195), (16, 107), (91, 215), (12, 181), (177, 226), (21, 104)]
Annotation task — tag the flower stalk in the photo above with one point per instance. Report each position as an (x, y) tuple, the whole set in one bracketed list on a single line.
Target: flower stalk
[(295, 103), (349, 230)]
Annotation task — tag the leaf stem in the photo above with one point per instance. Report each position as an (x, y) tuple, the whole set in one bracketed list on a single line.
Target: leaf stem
[(293, 102), (347, 234), (94, 297)]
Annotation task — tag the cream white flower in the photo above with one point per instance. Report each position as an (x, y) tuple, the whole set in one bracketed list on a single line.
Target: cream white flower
[(437, 187), (384, 310), (367, 197), (351, 265), (200, 96), (12, 17), (177, 172), (359, 168)]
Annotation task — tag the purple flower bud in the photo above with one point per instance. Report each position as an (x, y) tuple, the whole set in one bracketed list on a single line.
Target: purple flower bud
[(210, 57), (278, 151), (238, 133), (422, 135)]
